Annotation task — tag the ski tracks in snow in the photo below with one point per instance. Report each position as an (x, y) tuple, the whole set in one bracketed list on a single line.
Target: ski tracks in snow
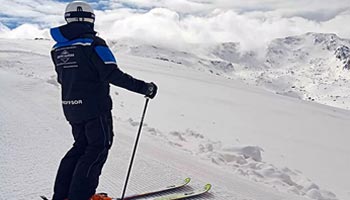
[(27, 132)]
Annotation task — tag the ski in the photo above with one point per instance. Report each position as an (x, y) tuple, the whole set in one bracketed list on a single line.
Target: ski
[(149, 193), (160, 190), (185, 195)]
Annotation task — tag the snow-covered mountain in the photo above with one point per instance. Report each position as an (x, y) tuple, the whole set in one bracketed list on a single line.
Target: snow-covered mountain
[(196, 58), (313, 66), (3, 28)]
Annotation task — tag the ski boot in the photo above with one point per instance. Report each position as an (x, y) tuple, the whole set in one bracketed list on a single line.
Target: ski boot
[(101, 196)]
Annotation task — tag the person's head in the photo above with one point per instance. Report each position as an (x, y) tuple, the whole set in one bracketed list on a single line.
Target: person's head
[(79, 11)]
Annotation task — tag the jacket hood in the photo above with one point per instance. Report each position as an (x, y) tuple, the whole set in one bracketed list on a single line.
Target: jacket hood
[(72, 31)]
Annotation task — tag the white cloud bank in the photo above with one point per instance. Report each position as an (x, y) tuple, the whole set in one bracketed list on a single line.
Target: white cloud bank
[(252, 30), (176, 23)]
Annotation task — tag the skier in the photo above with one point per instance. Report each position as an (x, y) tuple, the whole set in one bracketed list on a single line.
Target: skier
[(85, 67)]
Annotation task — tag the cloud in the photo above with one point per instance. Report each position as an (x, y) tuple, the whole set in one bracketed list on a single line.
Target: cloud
[(41, 12), (180, 6), (253, 30), (178, 23), (318, 10)]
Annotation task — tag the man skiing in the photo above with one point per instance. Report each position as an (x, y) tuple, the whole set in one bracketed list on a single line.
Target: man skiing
[(85, 67)]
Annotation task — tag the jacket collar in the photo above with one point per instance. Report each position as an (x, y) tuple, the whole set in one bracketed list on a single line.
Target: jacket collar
[(72, 31)]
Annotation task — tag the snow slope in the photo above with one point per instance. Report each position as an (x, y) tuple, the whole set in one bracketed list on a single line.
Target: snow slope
[(251, 144), (312, 66)]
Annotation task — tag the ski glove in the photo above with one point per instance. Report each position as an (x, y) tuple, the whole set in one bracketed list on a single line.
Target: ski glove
[(151, 90)]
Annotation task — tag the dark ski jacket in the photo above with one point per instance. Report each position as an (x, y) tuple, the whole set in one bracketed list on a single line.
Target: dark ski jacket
[(85, 66)]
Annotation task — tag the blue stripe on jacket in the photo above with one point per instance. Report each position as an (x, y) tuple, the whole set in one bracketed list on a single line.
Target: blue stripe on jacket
[(105, 54)]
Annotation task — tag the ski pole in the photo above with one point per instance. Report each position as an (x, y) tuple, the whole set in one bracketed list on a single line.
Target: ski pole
[(135, 147)]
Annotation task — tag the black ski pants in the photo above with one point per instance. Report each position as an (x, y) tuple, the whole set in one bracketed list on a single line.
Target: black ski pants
[(78, 174)]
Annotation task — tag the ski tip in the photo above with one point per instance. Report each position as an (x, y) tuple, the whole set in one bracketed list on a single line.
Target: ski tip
[(187, 180), (207, 187)]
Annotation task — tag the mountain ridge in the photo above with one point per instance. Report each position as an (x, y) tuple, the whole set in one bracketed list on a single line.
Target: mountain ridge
[(312, 66)]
